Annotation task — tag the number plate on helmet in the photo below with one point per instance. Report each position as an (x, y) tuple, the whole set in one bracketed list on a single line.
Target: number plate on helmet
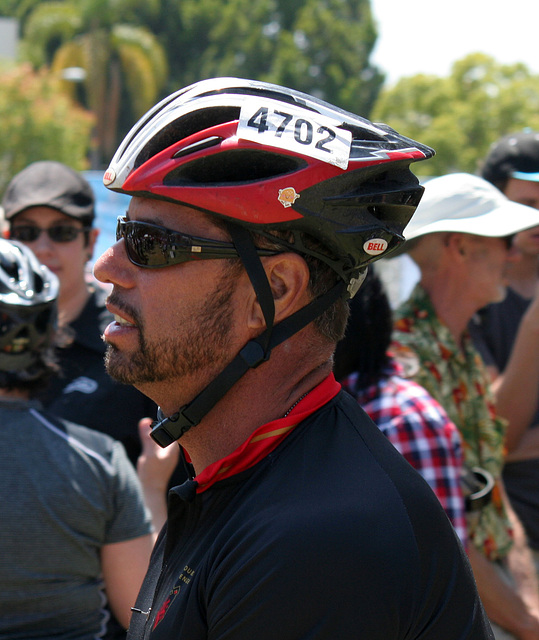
[(286, 126)]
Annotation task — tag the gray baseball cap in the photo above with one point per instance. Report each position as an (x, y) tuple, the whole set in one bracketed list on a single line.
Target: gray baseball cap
[(50, 184)]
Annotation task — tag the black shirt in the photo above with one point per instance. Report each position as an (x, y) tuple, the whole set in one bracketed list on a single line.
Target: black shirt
[(331, 536), (84, 393)]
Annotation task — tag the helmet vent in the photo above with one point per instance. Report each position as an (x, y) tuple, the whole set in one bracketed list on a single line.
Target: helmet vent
[(183, 128), (278, 95), (198, 146), (9, 266), (233, 167)]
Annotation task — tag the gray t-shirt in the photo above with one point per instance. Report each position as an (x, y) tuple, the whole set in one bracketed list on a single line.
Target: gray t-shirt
[(66, 492)]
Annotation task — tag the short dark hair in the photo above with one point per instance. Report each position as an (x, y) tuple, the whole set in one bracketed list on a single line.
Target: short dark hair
[(368, 335), (36, 377), (331, 323)]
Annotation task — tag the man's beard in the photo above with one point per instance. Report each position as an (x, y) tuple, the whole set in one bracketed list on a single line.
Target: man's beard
[(201, 345)]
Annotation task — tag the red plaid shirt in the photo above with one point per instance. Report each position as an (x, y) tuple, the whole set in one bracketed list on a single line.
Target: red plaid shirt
[(420, 430)]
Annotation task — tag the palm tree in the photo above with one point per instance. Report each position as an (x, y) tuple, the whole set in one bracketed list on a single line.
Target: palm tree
[(123, 66)]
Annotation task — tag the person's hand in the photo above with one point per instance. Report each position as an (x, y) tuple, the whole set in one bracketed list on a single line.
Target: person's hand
[(155, 465)]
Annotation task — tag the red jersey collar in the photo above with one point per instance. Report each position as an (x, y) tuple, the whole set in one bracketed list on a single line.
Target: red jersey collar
[(266, 438)]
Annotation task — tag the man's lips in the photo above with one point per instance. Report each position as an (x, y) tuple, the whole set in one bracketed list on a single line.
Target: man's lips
[(121, 316), (123, 322), (119, 328)]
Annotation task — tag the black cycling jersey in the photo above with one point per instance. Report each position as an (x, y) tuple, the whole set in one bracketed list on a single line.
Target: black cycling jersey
[(84, 393), (331, 536)]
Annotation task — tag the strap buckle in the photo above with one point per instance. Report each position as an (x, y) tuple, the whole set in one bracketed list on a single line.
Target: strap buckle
[(477, 485)]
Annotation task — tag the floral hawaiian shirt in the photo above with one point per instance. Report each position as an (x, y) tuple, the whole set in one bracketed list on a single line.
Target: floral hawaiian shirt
[(457, 378)]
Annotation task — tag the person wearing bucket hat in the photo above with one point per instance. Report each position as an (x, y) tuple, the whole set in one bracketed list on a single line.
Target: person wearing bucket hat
[(461, 240), (508, 331), (50, 208)]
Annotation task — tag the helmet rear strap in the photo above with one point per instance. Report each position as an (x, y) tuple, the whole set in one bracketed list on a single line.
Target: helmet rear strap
[(255, 270)]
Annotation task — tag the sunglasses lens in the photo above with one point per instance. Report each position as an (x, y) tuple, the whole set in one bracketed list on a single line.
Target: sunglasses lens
[(57, 233), (25, 234), (151, 246), (63, 233), (143, 246), (142, 243)]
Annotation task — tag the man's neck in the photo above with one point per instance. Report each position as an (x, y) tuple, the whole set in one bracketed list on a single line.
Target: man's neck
[(262, 395), (452, 306)]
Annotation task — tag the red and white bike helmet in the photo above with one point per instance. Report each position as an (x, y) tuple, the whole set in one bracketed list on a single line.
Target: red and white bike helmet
[(264, 158)]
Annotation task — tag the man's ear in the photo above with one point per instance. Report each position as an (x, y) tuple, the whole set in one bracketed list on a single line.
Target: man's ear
[(457, 244), (288, 276)]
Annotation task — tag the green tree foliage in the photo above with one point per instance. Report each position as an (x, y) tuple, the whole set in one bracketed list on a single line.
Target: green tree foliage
[(327, 53), (125, 66), (461, 115), (17, 8), (318, 46), (39, 122)]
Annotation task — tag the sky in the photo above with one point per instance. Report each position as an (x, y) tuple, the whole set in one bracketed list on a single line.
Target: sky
[(427, 36)]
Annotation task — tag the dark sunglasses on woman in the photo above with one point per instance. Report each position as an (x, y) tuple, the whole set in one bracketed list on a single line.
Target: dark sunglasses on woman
[(57, 233)]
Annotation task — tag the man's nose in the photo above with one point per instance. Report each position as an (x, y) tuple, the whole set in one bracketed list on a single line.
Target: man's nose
[(113, 266)]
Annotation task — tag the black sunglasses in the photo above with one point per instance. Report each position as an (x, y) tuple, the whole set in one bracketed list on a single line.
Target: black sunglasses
[(152, 246), (57, 233)]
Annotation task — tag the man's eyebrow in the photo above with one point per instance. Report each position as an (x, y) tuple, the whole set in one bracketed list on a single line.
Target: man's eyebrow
[(154, 220)]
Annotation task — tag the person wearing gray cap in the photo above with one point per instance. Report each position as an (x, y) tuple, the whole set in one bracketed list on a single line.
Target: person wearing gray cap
[(460, 238), (49, 195), (512, 165), (51, 208)]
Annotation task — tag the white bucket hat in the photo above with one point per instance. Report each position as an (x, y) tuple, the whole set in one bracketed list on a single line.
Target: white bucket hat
[(464, 203)]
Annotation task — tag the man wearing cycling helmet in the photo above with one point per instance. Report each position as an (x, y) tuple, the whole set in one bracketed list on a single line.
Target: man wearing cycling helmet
[(255, 212)]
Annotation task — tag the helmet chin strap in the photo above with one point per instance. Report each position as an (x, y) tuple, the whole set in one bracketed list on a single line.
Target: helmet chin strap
[(165, 430)]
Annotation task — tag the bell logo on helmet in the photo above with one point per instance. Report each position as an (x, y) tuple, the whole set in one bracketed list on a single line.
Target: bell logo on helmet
[(375, 246), (288, 196), (109, 177)]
